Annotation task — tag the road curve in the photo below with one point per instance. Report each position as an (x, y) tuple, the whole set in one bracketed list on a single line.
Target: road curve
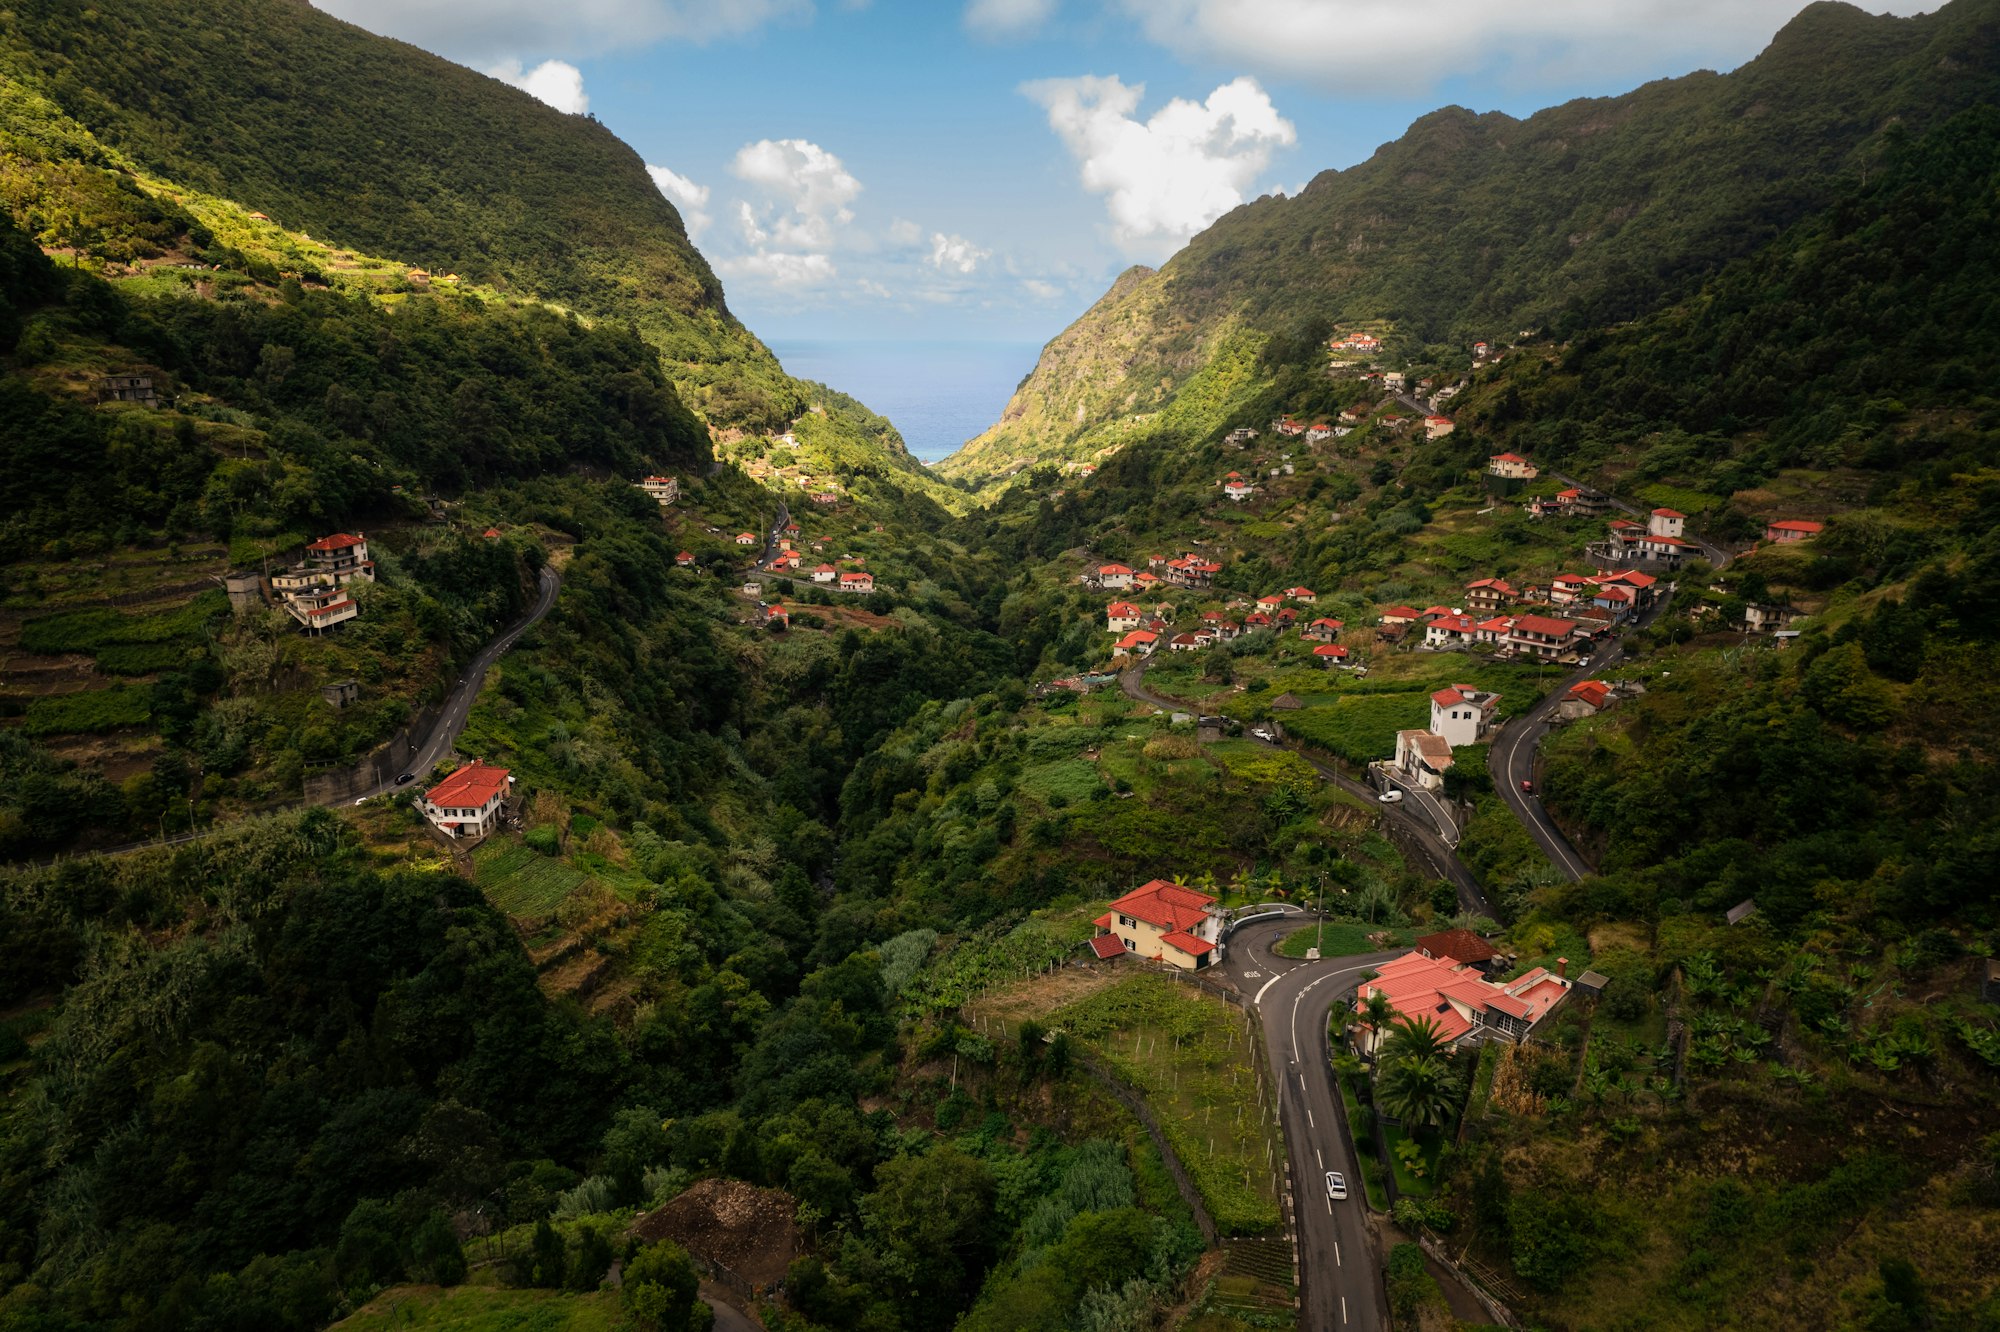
[(1441, 859), (458, 704), (1340, 1273)]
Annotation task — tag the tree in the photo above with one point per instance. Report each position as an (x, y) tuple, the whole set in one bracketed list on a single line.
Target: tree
[(660, 1284), (435, 1253), (1418, 1090), (593, 1260), (547, 1258), (1418, 1037), (931, 1219)]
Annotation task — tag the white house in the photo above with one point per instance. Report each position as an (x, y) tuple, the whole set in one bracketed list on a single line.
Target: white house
[(1665, 523), (1121, 617), (1450, 631), (1422, 758), (1437, 427), (825, 573), (467, 803), (665, 489), (857, 582), (1512, 466), (1115, 576), (1462, 714)]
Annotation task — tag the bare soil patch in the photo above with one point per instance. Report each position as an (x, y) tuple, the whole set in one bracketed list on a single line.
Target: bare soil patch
[(1038, 996), (745, 1229)]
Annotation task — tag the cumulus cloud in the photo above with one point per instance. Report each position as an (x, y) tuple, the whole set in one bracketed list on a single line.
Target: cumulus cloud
[(1007, 18), (780, 269), (484, 30), (556, 82), (1166, 177), (1349, 43), (802, 193), (956, 254), (687, 196)]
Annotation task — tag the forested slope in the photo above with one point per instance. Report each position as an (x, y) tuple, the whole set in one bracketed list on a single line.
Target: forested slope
[(1477, 225)]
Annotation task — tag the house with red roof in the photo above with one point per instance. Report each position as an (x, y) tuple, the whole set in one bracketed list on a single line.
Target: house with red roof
[(468, 802), (665, 489), (1450, 631), (1256, 620), (1330, 654), (1234, 487), (1437, 427), (1139, 643), (1542, 636), (1322, 630), (1318, 432), (1457, 946), (1401, 615), (1512, 467), (1121, 617), (857, 582), (777, 617), (1115, 576), (685, 559), (1493, 632), (1271, 602), (746, 539), (1462, 714), (1586, 698), (1188, 642), (1464, 1004), (1305, 596), (1666, 522), (1163, 922), (1566, 588), (1791, 530), (825, 573), (1489, 595)]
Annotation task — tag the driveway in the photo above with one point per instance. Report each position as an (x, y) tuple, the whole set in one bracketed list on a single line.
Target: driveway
[(1340, 1273)]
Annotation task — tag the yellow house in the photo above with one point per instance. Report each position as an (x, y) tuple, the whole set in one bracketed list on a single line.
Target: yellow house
[(1163, 922)]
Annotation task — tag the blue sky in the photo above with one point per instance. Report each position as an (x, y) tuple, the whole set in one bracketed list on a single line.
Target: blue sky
[(981, 169)]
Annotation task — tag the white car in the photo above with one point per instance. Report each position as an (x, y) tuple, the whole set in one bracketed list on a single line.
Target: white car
[(1336, 1185), (1391, 797)]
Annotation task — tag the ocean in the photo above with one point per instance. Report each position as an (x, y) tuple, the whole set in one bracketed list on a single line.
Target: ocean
[(939, 394)]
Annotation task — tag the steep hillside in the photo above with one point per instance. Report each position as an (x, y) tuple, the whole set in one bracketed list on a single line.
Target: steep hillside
[(416, 158), (1473, 226)]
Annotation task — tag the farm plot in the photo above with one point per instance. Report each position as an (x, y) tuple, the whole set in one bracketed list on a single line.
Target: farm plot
[(521, 882), (1192, 1056)]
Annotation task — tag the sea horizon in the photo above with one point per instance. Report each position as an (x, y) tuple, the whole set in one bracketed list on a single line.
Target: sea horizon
[(938, 394)]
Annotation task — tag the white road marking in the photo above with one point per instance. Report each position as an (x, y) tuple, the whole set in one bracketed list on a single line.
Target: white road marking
[(1321, 1159), (1310, 1122), (1343, 1308), (1259, 999), (1336, 1253), (1302, 1081)]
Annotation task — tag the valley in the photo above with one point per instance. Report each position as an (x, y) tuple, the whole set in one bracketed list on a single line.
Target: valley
[(517, 812)]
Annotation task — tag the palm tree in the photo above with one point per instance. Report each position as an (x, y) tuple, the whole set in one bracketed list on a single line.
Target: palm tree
[(1376, 1013), (1419, 1090), (1418, 1037)]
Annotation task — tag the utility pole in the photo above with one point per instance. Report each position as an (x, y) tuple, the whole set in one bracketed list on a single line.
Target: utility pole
[(1319, 936)]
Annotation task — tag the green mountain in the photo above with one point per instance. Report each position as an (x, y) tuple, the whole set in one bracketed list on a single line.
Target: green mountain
[(1474, 226)]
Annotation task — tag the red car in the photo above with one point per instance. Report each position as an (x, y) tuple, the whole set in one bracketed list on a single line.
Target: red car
[(1527, 787)]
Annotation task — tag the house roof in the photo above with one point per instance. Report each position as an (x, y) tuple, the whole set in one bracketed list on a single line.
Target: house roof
[(1508, 457), (1299, 592), (1609, 593), (1114, 569), (824, 568), (339, 541), (1499, 624), (1138, 638), (1121, 609), (1571, 493), (1593, 692), (1497, 584), (1287, 702), (1400, 613), (857, 578), (1329, 650), (1107, 946), (1170, 906), (1668, 513), (1431, 749), (1328, 622), (1438, 988), (1448, 698), (1544, 624), (1273, 600), (1187, 943), (470, 787), (1796, 525), (1455, 624), (1459, 945)]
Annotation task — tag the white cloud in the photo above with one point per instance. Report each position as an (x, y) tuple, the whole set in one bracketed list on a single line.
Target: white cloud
[(780, 269), (1167, 177), (1007, 18), (484, 30), (801, 206), (905, 232), (808, 187), (556, 82), (1389, 45), (687, 196), (1041, 290), (956, 254)]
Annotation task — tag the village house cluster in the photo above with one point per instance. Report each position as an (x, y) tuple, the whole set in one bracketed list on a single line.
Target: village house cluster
[(1145, 631)]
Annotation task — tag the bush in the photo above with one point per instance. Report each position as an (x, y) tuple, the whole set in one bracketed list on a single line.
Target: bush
[(659, 1290)]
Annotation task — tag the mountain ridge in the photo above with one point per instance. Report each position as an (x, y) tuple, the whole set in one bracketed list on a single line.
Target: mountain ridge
[(1474, 224)]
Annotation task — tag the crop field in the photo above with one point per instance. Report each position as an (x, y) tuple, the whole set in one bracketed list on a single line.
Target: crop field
[(88, 713), (1066, 781), (1192, 1056), (522, 882), (484, 1309), (995, 956), (1362, 727), (100, 628)]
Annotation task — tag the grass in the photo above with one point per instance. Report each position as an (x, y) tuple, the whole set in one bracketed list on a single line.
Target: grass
[(1070, 780), (1362, 727), (522, 882), (1341, 939), (84, 714), (484, 1309), (1407, 1183), (91, 630), (1193, 1058), (1364, 1150)]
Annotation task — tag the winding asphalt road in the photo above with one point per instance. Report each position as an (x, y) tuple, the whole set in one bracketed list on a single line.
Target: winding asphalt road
[(1340, 1273), (458, 705)]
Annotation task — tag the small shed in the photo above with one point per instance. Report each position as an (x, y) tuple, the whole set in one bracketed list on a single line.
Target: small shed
[(340, 693), (1286, 703), (1742, 911), (1592, 983)]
